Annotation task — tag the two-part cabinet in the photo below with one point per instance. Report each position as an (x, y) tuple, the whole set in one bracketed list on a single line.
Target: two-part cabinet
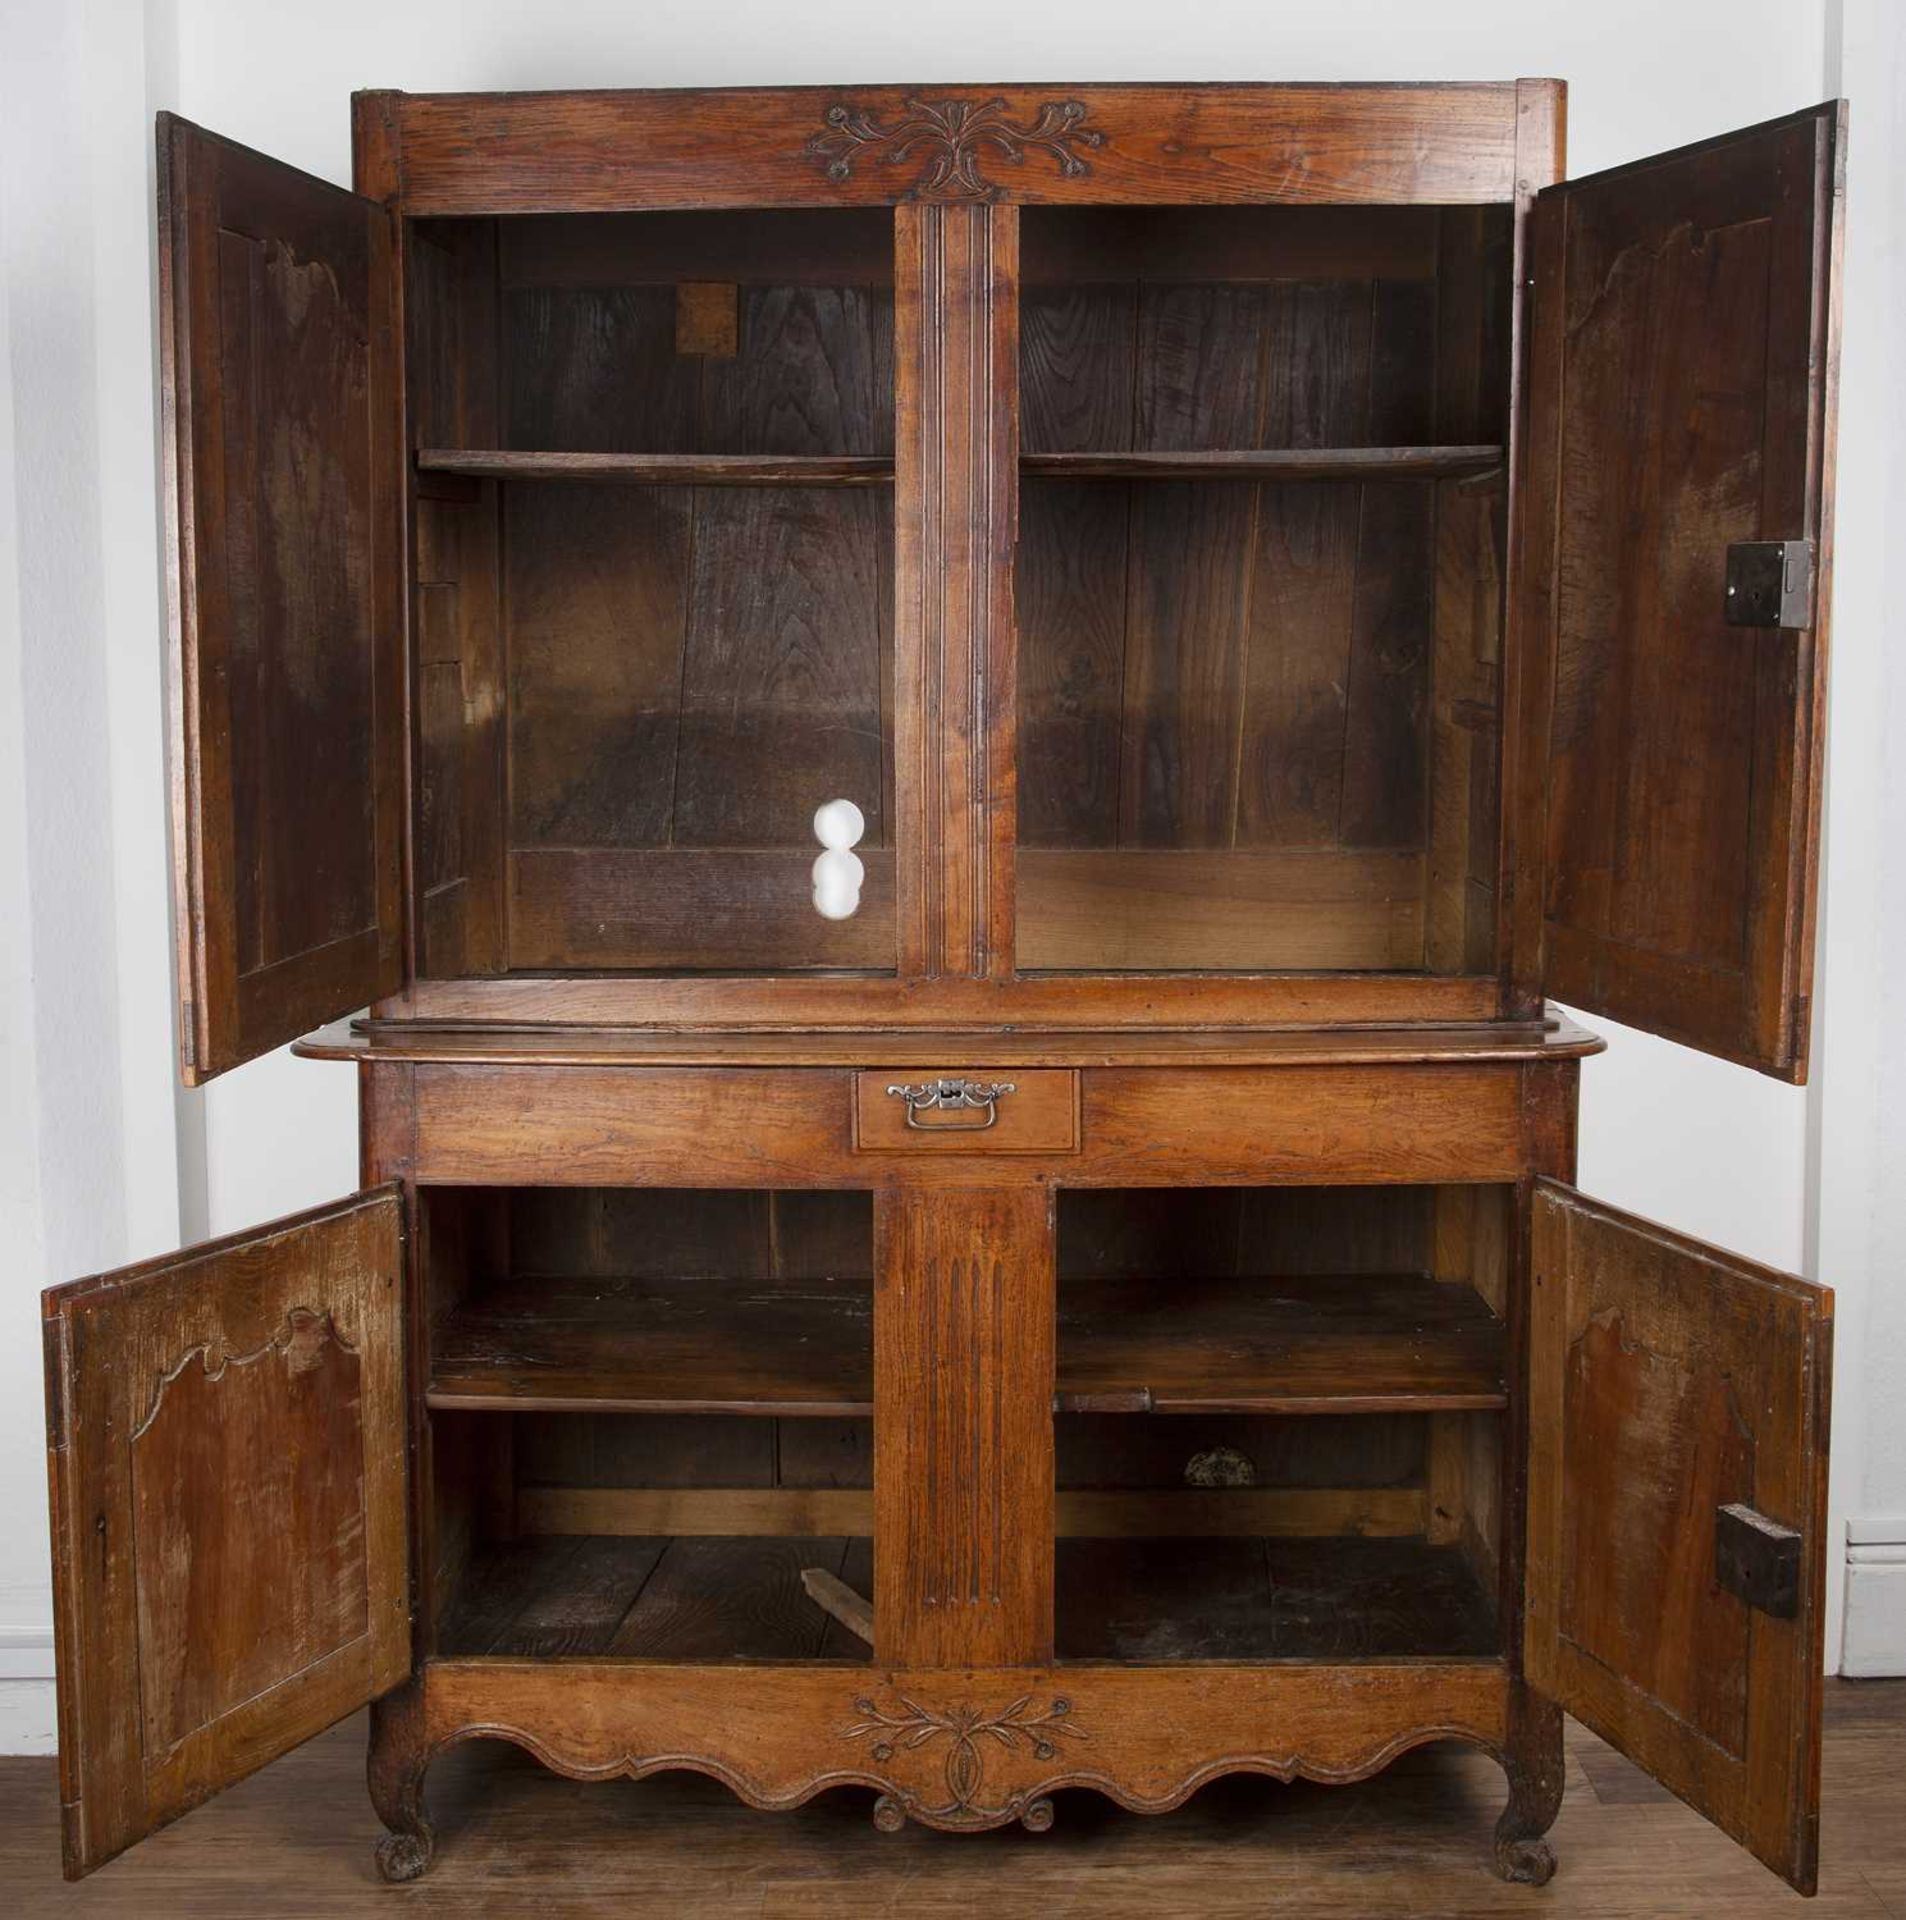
[(1071, 1277)]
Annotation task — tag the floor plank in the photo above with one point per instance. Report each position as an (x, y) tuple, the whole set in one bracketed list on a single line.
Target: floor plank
[(512, 1838)]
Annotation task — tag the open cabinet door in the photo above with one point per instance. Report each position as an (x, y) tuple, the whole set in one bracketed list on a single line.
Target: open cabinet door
[(283, 450), (1673, 528), (226, 1451), (1677, 1514)]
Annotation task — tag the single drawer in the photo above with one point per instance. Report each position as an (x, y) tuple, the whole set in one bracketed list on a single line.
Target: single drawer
[(973, 1110)]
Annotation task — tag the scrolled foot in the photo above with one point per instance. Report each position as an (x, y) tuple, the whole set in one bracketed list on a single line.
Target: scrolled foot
[(1532, 1760), (889, 1815), (403, 1856), (1037, 1817), (1523, 1862), (399, 1756)]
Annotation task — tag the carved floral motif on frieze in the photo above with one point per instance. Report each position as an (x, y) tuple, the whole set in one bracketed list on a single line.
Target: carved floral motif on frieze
[(953, 136), (970, 1732)]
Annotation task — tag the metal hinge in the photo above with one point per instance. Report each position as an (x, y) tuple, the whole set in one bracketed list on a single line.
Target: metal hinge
[(1770, 583)]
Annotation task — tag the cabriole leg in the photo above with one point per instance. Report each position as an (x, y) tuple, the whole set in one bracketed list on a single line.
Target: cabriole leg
[(1533, 1761), (399, 1757)]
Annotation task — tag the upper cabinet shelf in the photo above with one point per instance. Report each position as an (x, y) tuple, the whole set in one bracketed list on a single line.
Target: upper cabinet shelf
[(852, 470), (1269, 463), (664, 469)]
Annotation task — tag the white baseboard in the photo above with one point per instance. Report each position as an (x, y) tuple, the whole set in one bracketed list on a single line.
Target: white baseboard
[(26, 1653), (28, 1717), (1874, 1643)]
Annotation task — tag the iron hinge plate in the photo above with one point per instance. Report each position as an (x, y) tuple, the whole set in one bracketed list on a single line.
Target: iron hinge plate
[(1770, 583)]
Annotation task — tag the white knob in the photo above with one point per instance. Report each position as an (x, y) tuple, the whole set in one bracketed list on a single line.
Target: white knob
[(839, 823), (838, 871)]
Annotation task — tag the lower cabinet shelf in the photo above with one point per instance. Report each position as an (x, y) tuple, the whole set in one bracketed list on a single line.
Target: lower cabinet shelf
[(1159, 1601), (1390, 1342), (646, 1598), (1144, 1601)]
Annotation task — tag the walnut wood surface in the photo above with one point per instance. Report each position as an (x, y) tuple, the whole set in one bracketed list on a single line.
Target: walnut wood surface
[(1285, 465), (758, 147), (1046, 1001), (1158, 1601), (226, 1460), (1148, 1738), (458, 912), (279, 355), (956, 439), (399, 1041), (850, 470), (1668, 1380), (1084, 1513), (1169, 1344), (963, 1464), (1272, 363), (1226, 688), (695, 665), (1147, 1601), (1668, 852), (661, 907), (1164, 909), (689, 1346), (665, 469), (1139, 1127), (1254, 1343)]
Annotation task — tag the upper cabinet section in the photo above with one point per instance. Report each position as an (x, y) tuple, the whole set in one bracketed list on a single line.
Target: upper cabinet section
[(654, 589), (1259, 565), (278, 341), (1212, 556)]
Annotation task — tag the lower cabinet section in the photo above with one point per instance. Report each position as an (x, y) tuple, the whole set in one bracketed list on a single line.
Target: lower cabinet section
[(956, 1480)]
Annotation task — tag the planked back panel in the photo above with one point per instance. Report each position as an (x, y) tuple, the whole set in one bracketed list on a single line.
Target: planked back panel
[(1258, 672)]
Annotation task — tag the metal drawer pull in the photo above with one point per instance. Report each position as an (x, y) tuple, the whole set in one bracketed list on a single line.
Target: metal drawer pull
[(955, 1097)]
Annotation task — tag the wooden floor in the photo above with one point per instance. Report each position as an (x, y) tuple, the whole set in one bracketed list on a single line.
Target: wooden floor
[(516, 1840)]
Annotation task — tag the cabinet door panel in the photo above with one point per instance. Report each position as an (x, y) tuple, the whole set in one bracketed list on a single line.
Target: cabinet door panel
[(1682, 349), (284, 507), (226, 1458), (1677, 1514)]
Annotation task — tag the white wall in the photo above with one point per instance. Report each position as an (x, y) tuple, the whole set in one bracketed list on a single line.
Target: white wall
[(92, 1135), (1857, 1163), (99, 1161)]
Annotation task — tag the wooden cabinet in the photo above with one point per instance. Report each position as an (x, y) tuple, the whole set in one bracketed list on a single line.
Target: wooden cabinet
[(1285, 582)]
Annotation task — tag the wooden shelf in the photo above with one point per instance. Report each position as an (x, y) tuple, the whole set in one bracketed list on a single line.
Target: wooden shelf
[(660, 1346), (1271, 463), (1337, 1344), (1147, 1600), (854, 470), (547, 1596), (663, 469), (1261, 1599)]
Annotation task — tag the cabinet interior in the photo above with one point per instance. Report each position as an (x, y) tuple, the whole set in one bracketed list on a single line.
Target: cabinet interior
[(1259, 586), (654, 586), (1259, 564), (1277, 1419)]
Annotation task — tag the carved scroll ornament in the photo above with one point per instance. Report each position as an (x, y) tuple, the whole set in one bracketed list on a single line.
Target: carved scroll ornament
[(953, 135), (967, 1731)]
